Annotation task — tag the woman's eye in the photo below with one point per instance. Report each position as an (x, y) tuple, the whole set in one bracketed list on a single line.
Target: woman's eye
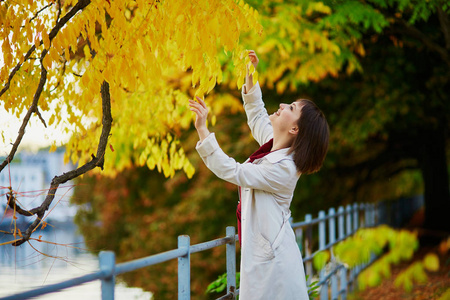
[(290, 106)]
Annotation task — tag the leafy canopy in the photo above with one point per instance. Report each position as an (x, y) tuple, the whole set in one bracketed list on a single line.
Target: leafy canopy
[(152, 54), (141, 48)]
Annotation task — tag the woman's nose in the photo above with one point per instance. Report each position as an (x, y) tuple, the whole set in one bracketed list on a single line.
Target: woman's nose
[(282, 105)]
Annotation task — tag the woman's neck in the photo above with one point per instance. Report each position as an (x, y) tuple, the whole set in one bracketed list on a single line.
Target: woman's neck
[(281, 143)]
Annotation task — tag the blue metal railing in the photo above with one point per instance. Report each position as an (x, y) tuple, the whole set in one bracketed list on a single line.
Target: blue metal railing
[(349, 220)]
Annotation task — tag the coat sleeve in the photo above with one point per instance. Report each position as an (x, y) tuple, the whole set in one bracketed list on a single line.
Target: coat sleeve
[(257, 116), (270, 177)]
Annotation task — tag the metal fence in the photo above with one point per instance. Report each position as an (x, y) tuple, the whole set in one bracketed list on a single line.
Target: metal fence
[(335, 281)]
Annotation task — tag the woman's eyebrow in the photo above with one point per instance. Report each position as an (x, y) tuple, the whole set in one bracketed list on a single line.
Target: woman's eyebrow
[(295, 106)]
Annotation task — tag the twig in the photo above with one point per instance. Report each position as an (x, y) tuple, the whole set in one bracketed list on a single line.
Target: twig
[(97, 161), (41, 10), (40, 116), (59, 11)]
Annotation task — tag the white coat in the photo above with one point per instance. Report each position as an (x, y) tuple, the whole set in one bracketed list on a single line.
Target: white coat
[(271, 262)]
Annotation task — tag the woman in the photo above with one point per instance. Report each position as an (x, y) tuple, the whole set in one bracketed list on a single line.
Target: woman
[(294, 141)]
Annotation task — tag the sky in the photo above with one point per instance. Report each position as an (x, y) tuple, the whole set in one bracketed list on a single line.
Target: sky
[(36, 135)]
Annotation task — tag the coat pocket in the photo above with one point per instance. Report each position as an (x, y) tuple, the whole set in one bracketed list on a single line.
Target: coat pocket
[(262, 248)]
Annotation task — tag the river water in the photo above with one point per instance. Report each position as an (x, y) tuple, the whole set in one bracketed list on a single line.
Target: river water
[(31, 266)]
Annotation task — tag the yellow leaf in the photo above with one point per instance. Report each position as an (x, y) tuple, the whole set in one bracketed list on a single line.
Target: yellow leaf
[(255, 77), (46, 39), (52, 148), (320, 259), (37, 41), (431, 262), (47, 62), (240, 82), (188, 169)]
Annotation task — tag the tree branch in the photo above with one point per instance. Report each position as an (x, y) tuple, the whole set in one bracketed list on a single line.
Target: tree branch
[(40, 116), (445, 26), (95, 162), (27, 117), (429, 43)]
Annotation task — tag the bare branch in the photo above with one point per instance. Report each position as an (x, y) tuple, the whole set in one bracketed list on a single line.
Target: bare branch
[(12, 203), (41, 10), (40, 116), (95, 162)]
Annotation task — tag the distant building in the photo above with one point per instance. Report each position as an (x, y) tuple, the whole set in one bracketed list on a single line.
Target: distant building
[(30, 175)]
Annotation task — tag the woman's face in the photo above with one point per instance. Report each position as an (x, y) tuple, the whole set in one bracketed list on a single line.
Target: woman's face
[(286, 117)]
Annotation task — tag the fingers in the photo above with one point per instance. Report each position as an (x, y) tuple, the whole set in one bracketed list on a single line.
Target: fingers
[(198, 107), (200, 104), (253, 56), (200, 100)]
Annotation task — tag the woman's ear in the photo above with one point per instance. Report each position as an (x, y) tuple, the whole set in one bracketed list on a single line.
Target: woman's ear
[(293, 130)]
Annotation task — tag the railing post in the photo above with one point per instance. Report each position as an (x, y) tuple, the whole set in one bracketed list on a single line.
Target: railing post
[(332, 240), (343, 270), (355, 217), (332, 225), (322, 245), (308, 247), (363, 220), (107, 263), (341, 232), (372, 214), (184, 269), (231, 261), (348, 213), (343, 279), (354, 270)]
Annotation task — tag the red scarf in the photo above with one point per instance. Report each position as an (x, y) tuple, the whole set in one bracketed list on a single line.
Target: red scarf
[(260, 153)]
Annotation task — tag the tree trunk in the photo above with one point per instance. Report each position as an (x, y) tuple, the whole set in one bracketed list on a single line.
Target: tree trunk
[(433, 164)]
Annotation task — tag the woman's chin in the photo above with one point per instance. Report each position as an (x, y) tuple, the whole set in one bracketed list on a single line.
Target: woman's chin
[(272, 117)]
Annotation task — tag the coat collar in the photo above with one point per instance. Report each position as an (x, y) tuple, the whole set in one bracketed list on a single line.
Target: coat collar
[(276, 156)]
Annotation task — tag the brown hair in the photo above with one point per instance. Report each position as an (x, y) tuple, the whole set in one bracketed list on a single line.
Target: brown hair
[(310, 146)]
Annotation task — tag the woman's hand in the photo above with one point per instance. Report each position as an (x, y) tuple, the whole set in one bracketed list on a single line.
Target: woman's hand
[(201, 113), (249, 78), (253, 58)]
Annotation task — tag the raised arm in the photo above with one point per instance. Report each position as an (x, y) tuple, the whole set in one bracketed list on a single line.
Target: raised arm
[(265, 176), (257, 116)]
